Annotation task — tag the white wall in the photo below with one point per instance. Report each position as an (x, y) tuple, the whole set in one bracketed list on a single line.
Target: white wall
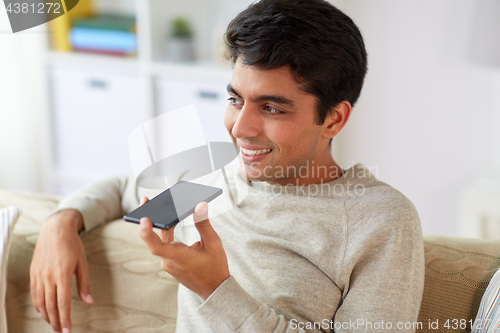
[(22, 87), (428, 118), (19, 107)]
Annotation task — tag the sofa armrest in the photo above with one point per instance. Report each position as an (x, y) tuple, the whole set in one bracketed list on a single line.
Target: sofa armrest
[(457, 273), (128, 286)]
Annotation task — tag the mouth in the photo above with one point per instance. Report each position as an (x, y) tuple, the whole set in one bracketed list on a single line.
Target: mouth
[(249, 152)]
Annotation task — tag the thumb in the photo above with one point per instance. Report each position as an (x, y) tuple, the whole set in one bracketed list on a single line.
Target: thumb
[(144, 200), (82, 282), (200, 216)]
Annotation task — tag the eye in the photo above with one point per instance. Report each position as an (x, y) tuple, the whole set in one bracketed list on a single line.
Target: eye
[(235, 102), (272, 110)]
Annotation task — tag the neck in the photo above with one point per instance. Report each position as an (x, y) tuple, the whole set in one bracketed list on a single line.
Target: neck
[(316, 171)]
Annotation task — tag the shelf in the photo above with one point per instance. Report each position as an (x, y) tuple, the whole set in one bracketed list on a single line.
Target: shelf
[(87, 60), (198, 71), (124, 92), (193, 71), (208, 19)]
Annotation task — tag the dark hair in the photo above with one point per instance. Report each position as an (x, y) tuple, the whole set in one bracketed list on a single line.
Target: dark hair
[(322, 46)]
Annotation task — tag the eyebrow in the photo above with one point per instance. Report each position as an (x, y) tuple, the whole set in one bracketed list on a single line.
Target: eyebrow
[(272, 98)]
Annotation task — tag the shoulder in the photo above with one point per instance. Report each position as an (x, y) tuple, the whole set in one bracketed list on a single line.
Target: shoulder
[(378, 204), (382, 222), (381, 198)]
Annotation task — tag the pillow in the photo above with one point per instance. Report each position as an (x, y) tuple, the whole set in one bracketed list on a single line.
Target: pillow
[(8, 218), (488, 315), (457, 273)]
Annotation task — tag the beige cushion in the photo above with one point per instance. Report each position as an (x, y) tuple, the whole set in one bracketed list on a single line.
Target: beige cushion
[(131, 292), (457, 272)]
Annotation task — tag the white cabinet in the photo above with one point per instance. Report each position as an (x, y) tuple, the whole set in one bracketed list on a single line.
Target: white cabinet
[(93, 114), (211, 101), (95, 101)]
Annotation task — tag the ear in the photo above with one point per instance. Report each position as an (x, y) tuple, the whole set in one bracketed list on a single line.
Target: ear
[(336, 119)]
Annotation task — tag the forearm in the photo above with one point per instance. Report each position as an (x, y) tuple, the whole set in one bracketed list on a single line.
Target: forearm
[(98, 202), (231, 309), (71, 217)]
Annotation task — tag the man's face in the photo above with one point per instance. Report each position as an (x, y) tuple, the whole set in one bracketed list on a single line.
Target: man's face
[(273, 121)]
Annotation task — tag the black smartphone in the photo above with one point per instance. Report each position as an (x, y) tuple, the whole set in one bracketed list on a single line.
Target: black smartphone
[(174, 204)]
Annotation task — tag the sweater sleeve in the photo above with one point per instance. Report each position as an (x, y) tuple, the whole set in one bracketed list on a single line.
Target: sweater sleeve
[(231, 309), (383, 293), (382, 274), (102, 201)]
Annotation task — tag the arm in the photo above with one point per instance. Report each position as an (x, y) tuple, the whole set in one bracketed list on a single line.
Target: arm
[(383, 271), (59, 252), (251, 315), (101, 201), (202, 268), (381, 277)]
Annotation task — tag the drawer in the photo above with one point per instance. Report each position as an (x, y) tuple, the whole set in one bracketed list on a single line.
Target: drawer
[(92, 116), (211, 101)]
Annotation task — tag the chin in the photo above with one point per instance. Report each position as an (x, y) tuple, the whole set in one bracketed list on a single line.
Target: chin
[(251, 174)]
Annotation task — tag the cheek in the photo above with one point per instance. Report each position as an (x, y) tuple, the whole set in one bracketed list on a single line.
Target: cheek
[(285, 136), (228, 123), (229, 119), (296, 139)]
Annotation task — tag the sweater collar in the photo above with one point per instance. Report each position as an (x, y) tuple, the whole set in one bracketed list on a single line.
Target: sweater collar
[(355, 175)]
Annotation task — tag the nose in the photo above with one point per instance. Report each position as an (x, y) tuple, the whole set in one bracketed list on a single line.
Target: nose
[(247, 124)]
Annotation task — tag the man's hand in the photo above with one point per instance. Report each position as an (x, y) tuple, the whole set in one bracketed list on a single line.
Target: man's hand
[(201, 267), (58, 255)]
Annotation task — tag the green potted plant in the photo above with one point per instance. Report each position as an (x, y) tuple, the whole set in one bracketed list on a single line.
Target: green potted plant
[(180, 43)]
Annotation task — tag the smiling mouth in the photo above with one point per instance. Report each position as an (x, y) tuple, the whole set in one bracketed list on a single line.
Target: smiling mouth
[(249, 152)]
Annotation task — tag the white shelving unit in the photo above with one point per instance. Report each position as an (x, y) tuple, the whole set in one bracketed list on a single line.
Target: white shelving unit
[(94, 101)]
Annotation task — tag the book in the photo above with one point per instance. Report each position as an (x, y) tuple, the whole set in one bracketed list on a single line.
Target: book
[(103, 40), (107, 53), (61, 25), (107, 22)]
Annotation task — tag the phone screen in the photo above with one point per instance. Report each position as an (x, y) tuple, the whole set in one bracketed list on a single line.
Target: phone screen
[(174, 204)]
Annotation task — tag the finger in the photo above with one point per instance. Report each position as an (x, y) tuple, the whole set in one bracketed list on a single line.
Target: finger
[(154, 242), (167, 236), (151, 238), (144, 200), (82, 282), (207, 233), (40, 300), (33, 291), (63, 292), (51, 307), (200, 212)]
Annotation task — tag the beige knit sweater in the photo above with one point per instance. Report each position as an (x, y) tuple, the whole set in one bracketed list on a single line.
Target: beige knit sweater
[(344, 256)]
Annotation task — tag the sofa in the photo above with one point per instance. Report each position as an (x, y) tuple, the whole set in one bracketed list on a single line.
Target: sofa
[(133, 294)]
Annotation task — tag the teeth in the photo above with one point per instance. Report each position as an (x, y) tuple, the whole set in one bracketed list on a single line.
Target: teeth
[(255, 152)]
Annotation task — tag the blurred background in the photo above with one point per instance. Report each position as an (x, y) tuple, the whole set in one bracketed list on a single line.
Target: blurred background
[(427, 122)]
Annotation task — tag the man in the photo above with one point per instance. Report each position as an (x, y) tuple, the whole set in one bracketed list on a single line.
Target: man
[(311, 246)]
